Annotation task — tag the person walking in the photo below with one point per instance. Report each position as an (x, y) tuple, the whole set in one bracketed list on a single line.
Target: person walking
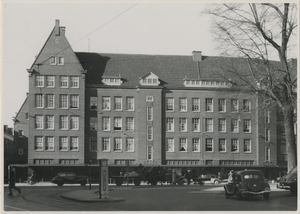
[(12, 182)]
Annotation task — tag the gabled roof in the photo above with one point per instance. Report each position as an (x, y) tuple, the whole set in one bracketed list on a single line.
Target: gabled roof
[(171, 69)]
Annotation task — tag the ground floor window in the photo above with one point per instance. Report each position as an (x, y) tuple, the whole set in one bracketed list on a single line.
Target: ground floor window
[(149, 152)]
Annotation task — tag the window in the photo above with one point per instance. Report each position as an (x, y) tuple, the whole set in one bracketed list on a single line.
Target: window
[(170, 125), (246, 105), (234, 105), (182, 145), (39, 144), (105, 103), (118, 144), (63, 143), (222, 105), (170, 104), (247, 126), (93, 143), (222, 145), (118, 103), (129, 103), (39, 101), (182, 124), (149, 99), (52, 60), (208, 144), (268, 154), (93, 103), (129, 144), (39, 121), (118, 124), (49, 100), (27, 116), (64, 122), (196, 145), (106, 144), (209, 104), (74, 122), (93, 123), (222, 125), (129, 123), (234, 145), (149, 133), (247, 145), (74, 81), (74, 101), (49, 122), (149, 113), (149, 153), (39, 81), (183, 104), (267, 116), (74, 144), (20, 151), (170, 145), (196, 104), (196, 125), (234, 125), (267, 138), (209, 125), (50, 81), (61, 60), (64, 83), (105, 123), (64, 101)]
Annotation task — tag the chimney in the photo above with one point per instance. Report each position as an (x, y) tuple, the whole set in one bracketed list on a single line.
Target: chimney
[(197, 56), (57, 28)]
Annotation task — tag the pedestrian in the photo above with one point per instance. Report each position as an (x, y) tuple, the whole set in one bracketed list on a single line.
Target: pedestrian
[(12, 182), (230, 176), (188, 177)]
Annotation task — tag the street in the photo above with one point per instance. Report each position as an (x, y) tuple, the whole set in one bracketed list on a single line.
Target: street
[(147, 198)]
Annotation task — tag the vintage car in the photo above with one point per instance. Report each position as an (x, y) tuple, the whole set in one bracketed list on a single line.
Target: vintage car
[(247, 183), (289, 181), (69, 178), (207, 179)]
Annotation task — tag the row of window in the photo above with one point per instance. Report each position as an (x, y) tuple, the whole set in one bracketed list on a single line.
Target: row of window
[(170, 124), (64, 81), (65, 122), (66, 101), (51, 161), (209, 145), (117, 144), (65, 143), (118, 103)]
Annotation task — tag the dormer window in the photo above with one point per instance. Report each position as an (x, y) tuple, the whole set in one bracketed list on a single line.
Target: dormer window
[(206, 83), (52, 60), (150, 79), (112, 80)]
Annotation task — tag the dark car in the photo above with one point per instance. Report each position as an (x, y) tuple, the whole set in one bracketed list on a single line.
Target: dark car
[(247, 183), (69, 178), (289, 181), (208, 179)]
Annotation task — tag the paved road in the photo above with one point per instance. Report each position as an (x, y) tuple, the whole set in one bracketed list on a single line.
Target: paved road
[(147, 198)]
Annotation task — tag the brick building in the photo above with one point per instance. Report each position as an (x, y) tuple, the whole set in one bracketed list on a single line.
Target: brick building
[(173, 111)]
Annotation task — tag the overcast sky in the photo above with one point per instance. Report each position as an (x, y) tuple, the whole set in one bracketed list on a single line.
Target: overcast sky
[(162, 28)]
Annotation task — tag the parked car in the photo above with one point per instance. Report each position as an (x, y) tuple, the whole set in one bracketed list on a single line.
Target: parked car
[(247, 183), (207, 179), (289, 181), (69, 178)]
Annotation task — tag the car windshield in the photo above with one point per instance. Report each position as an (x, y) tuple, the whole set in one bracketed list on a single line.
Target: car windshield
[(252, 176)]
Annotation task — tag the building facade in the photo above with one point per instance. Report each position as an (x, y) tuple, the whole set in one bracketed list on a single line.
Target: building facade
[(172, 111)]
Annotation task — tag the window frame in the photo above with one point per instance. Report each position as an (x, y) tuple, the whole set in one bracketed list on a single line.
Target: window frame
[(195, 104), (183, 144), (62, 143), (105, 123), (129, 144), (106, 103), (72, 142), (209, 127), (222, 145), (63, 81), (170, 145), (183, 104), (118, 126), (183, 125), (39, 81), (170, 104), (235, 145), (105, 144), (222, 106), (206, 145), (36, 143), (129, 103), (209, 107), (196, 145), (118, 144), (74, 81)]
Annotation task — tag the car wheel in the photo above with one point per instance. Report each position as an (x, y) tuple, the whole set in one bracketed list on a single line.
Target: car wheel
[(239, 196), (216, 182), (119, 182), (137, 181), (266, 196), (83, 183), (60, 184)]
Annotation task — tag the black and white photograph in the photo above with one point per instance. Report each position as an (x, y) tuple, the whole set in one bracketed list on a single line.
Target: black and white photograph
[(162, 106)]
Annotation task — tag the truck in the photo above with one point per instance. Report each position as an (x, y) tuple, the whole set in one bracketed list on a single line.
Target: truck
[(69, 178)]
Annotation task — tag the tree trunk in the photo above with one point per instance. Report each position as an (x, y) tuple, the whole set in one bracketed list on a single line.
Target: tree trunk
[(291, 149)]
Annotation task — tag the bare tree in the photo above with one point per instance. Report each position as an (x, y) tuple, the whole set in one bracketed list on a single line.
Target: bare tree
[(259, 32)]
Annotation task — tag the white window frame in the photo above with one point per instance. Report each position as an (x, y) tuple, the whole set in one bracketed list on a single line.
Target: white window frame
[(74, 143), (38, 143), (247, 126), (129, 103), (52, 60), (169, 126), (234, 105), (196, 144), (39, 122), (247, 105), (105, 123), (149, 113), (63, 81), (74, 122), (222, 105), (149, 153), (130, 123), (39, 100), (209, 106), (60, 60), (196, 124), (118, 144), (106, 104), (149, 99), (196, 104), (118, 124), (93, 103), (209, 127), (64, 101), (50, 81), (169, 104), (183, 145), (267, 135), (267, 116), (170, 145), (49, 122), (206, 144), (183, 104), (118, 103), (74, 101), (50, 101), (268, 154), (93, 124), (63, 122), (63, 143), (105, 144), (246, 141), (74, 81), (150, 133), (39, 81), (234, 145), (235, 126), (183, 124), (222, 125), (129, 144), (222, 145)]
